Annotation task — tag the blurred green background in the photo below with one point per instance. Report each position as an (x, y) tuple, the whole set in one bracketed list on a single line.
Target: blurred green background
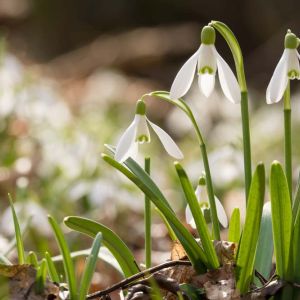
[(70, 74)]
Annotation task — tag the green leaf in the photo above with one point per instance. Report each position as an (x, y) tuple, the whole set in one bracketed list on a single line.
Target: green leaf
[(90, 266), (234, 46), (193, 250), (234, 231), (41, 277), (247, 246), (296, 200), (104, 254), (32, 259), (281, 219), (4, 260), (51, 268), (296, 249), (201, 226), (192, 292), (110, 240), (265, 248), (19, 241), (67, 261)]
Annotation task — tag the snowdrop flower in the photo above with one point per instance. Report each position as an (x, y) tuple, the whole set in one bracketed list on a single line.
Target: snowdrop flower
[(286, 69), (208, 61), (138, 133), (202, 197)]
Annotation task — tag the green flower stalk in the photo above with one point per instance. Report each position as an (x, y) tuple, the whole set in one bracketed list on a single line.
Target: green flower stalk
[(147, 213), (279, 87), (234, 46)]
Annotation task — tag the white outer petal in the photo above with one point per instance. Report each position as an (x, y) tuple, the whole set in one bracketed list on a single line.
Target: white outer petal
[(184, 77), (279, 80), (206, 83), (221, 213), (126, 142), (189, 217), (228, 81), (207, 58), (167, 141)]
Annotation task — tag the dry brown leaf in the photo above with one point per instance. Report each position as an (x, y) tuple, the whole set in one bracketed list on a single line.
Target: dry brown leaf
[(21, 279)]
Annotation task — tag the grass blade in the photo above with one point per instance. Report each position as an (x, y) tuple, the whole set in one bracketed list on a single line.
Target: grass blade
[(234, 231), (201, 226), (32, 259), (110, 240), (247, 246), (265, 248), (41, 277), (67, 261), (193, 250), (281, 219), (19, 241), (90, 267), (104, 254), (51, 268), (296, 200)]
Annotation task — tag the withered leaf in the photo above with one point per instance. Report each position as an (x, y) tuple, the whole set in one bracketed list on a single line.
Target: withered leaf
[(20, 282)]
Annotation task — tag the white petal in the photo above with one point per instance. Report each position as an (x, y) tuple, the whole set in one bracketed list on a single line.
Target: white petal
[(184, 77), (221, 213), (206, 83), (228, 80), (167, 141), (207, 62), (189, 217), (278, 81), (126, 142), (142, 129), (293, 62), (133, 151)]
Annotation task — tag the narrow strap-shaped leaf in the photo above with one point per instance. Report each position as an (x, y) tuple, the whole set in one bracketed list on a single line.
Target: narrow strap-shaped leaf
[(296, 250), (140, 173), (32, 259), (296, 200), (90, 266), (247, 246), (41, 277), (281, 219), (67, 261), (19, 240), (110, 240), (234, 231), (104, 254), (265, 247), (193, 250), (51, 268), (201, 226)]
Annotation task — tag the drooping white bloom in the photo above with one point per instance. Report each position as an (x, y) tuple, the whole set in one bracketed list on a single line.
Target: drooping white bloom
[(287, 69), (138, 133), (202, 197), (208, 62)]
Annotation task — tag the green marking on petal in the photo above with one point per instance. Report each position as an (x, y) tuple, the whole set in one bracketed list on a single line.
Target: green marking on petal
[(292, 74), (206, 69), (204, 205), (142, 139)]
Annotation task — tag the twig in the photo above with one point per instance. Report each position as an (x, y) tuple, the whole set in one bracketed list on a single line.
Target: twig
[(122, 284)]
